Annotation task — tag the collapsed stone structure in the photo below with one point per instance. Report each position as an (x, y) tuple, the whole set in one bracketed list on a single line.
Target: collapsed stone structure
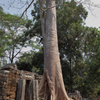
[(18, 85)]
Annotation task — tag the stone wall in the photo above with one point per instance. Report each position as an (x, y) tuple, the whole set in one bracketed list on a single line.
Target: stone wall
[(8, 81), (18, 85), (10, 86), (3, 80)]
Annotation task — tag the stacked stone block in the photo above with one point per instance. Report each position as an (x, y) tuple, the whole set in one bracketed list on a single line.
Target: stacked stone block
[(18, 85), (10, 86), (3, 80)]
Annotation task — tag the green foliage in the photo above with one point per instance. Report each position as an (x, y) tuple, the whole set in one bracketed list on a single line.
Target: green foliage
[(88, 74), (34, 60), (2, 43), (93, 76), (70, 28), (24, 66), (26, 57), (14, 35), (38, 62)]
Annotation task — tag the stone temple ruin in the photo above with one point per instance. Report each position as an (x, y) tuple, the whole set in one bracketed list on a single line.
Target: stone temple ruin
[(18, 85), (23, 85)]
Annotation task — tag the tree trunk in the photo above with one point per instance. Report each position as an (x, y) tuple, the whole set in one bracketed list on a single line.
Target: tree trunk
[(51, 86)]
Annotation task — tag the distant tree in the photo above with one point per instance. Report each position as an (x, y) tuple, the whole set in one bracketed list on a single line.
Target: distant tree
[(14, 36), (24, 66), (33, 58), (38, 62), (91, 84)]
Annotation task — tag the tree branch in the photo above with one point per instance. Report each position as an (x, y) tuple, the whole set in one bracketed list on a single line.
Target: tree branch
[(17, 52), (21, 15), (26, 9)]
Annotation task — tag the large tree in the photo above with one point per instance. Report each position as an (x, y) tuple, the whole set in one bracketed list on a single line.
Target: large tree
[(70, 26), (51, 86)]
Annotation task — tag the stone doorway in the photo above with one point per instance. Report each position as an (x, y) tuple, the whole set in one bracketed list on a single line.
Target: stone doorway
[(27, 90)]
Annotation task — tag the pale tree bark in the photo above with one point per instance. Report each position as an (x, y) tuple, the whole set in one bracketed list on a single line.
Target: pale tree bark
[(52, 85)]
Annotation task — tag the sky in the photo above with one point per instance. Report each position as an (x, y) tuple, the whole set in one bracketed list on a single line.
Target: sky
[(93, 19), (13, 8)]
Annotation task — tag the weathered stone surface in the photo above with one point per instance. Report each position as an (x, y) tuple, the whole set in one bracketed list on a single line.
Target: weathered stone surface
[(3, 80), (75, 96), (36, 89), (4, 73), (9, 66), (0, 97), (27, 75), (10, 85), (15, 83), (37, 77), (21, 89)]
